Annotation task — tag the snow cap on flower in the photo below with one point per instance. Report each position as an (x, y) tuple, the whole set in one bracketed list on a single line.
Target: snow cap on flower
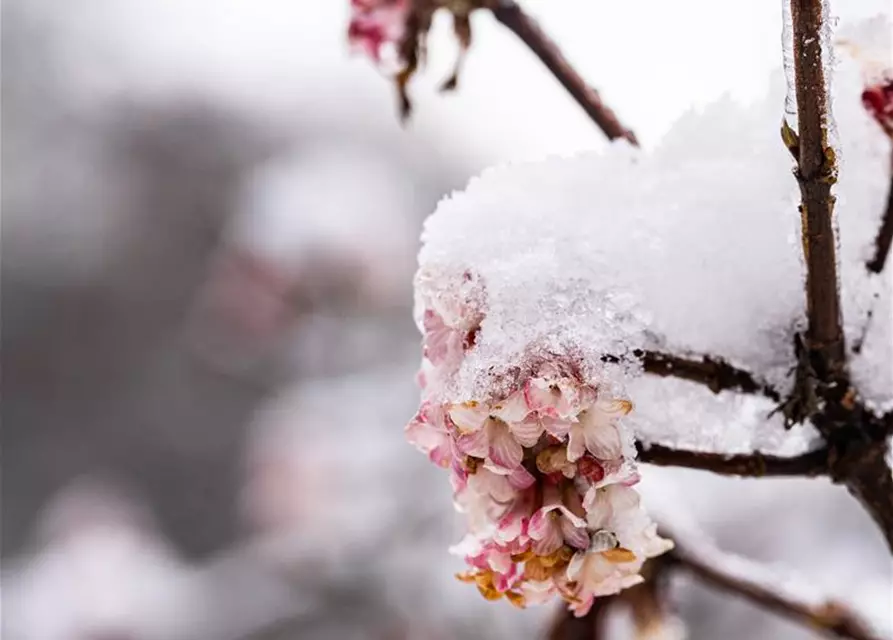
[(533, 465)]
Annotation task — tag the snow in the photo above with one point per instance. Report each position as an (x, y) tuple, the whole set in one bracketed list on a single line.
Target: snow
[(691, 249)]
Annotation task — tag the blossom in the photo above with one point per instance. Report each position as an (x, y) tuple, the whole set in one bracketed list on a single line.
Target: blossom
[(560, 520), (596, 431), (442, 343), (540, 470), (485, 433), (376, 24), (428, 432), (878, 100), (600, 573)]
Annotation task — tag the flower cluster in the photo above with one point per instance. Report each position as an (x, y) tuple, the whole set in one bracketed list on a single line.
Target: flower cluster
[(544, 475), (394, 33), (377, 25)]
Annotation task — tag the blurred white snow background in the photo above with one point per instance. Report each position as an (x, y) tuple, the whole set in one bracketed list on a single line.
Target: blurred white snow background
[(210, 221)]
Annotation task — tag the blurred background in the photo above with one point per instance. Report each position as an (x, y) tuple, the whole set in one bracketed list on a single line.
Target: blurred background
[(210, 220)]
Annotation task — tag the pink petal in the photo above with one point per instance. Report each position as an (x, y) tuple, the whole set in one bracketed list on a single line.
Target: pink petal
[(425, 436), (571, 507), (552, 539), (602, 440), (556, 426), (473, 444), (576, 566), (469, 416), (512, 409), (505, 452), (514, 522), (576, 536), (598, 508), (500, 562), (521, 478), (497, 486), (576, 443), (442, 456), (527, 432), (539, 523), (582, 607), (504, 582), (541, 397)]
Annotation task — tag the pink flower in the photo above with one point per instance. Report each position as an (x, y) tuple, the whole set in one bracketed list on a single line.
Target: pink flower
[(514, 524), (878, 100), (560, 520), (596, 431), (493, 502), (443, 345), (600, 574), (428, 432), (376, 24), (615, 509), (484, 433), (556, 396)]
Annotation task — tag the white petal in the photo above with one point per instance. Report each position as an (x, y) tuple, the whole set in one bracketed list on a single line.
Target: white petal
[(527, 432), (576, 444), (469, 416), (575, 535), (602, 440), (512, 409), (505, 452)]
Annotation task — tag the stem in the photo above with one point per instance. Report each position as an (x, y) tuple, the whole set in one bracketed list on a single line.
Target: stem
[(567, 626), (751, 465), (830, 618), (513, 17), (816, 172), (716, 374), (885, 235)]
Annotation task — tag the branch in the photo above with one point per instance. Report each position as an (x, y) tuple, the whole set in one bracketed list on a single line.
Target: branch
[(816, 172), (513, 17), (567, 626), (714, 373), (830, 618), (752, 465), (885, 235)]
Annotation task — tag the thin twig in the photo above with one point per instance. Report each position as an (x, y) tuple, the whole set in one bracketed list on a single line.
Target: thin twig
[(816, 172), (716, 374), (513, 17), (885, 235), (752, 465), (831, 618)]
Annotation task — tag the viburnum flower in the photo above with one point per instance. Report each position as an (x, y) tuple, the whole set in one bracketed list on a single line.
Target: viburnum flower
[(376, 25), (560, 520), (393, 33), (543, 469)]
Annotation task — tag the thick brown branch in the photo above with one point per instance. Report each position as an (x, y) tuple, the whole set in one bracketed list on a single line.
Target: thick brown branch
[(526, 28), (714, 373), (885, 235), (753, 465), (831, 618), (816, 172)]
